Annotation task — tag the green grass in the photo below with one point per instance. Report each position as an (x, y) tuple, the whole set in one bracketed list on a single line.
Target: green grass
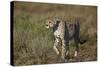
[(33, 42)]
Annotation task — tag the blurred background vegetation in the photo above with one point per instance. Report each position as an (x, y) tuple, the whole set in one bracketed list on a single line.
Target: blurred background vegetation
[(33, 43)]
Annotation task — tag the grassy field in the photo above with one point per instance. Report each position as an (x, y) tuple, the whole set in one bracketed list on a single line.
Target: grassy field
[(33, 43)]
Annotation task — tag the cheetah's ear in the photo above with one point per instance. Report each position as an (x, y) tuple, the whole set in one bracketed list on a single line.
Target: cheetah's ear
[(57, 21)]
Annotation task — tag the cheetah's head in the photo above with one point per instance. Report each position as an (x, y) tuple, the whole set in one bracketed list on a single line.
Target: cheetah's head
[(51, 23)]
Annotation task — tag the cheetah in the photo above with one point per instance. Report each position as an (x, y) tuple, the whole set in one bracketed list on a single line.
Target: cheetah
[(63, 33)]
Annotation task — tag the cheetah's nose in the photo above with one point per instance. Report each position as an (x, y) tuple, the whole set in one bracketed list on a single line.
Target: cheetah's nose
[(47, 26)]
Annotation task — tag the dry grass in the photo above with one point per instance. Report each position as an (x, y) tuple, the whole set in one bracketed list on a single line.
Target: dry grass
[(33, 43)]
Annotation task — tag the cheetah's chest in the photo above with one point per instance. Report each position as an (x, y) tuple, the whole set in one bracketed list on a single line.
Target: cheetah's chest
[(57, 33)]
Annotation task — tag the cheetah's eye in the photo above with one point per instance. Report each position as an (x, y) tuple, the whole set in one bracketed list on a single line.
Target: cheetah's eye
[(49, 21)]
